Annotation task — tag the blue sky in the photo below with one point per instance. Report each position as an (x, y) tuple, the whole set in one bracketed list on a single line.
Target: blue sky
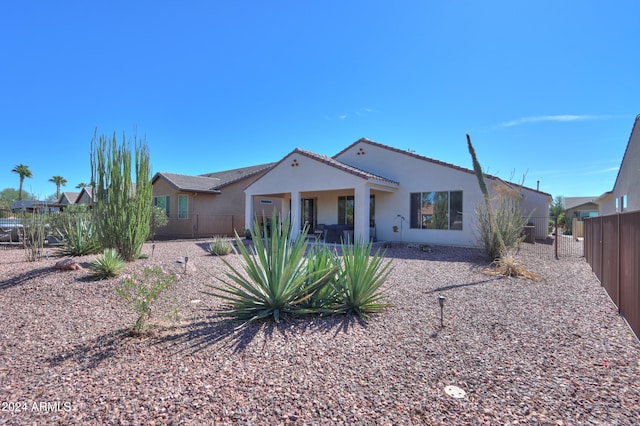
[(546, 89)]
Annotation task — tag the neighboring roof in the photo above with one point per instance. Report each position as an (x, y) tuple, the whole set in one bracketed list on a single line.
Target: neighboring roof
[(88, 190), (636, 125), (190, 183), (341, 166), (573, 202), (431, 160), (29, 204), (228, 177), (72, 197), (604, 197)]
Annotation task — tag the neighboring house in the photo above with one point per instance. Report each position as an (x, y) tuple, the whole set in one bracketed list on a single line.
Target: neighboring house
[(625, 195), (30, 206), (377, 191), (85, 196), (205, 205), (580, 208), (67, 198)]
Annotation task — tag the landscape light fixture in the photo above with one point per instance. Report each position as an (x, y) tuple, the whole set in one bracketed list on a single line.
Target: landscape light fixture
[(441, 300)]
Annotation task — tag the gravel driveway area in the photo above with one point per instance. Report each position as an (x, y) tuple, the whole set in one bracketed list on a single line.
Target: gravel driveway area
[(549, 352)]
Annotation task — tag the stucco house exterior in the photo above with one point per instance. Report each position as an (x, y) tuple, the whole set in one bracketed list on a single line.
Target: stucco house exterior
[(377, 191), (625, 196), (204, 205)]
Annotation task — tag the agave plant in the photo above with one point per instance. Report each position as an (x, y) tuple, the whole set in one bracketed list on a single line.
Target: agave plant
[(80, 237), (360, 280), (324, 299), (108, 264), (275, 282)]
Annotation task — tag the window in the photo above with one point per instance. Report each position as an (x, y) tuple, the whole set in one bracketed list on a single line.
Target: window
[(346, 207), (163, 203), (436, 210), (345, 210), (183, 207), (623, 203)]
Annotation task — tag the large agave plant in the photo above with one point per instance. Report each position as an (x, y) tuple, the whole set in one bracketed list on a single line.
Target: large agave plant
[(80, 237), (275, 282), (360, 280)]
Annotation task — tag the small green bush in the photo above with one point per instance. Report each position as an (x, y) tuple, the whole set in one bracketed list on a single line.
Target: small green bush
[(142, 292), (108, 264), (220, 246)]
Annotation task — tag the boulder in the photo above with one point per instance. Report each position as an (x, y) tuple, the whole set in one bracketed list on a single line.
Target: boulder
[(68, 265)]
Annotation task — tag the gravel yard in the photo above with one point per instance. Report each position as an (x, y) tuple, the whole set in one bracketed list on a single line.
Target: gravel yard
[(548, 352)]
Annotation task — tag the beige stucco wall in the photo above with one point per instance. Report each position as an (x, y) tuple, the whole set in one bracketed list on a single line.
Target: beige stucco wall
[(628, 181), (208, 214)]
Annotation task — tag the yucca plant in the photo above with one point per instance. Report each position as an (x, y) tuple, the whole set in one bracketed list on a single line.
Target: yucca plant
[(275, 282), (507, 264), (324, 299), (80, 237), (220, 246), (108, 264), (360, 279)]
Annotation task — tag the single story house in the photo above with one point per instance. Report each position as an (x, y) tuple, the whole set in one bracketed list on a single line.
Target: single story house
[(204, 205), (580, 207), (374, 191), (85, 196), (67, 198), (625, 195)]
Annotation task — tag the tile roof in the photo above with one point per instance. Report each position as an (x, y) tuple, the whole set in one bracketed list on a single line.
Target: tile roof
[(573, 202), (190, 183), (72, 197), (431, 160), (227, 177)]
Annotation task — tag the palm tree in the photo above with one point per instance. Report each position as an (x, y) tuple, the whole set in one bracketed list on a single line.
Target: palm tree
[(82, 185), (59, 181), (24, 172)]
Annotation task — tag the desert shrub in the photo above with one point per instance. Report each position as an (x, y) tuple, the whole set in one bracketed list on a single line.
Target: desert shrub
[(141, 292), (508, 265), (33, 232), (80, 236), (509, 221), (159, 219), (108, 264), (220, 246), (501, 230), (274, 281), (121, 209), (360, 280)]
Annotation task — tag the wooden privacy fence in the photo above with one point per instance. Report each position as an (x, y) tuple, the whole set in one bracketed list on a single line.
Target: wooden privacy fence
[(612, 249)]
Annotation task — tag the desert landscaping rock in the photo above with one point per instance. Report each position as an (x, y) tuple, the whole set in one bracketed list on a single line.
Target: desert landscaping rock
[(549, 352)]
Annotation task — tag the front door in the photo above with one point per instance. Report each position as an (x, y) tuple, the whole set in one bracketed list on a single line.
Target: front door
[(308, 211)]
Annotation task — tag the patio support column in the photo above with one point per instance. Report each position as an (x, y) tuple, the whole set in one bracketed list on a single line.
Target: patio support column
[(248, 211), (295, 214), (361, 213)]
